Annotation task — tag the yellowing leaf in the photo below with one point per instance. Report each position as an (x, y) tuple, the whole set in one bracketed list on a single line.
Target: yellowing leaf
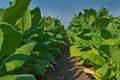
[(74, 51), (87, 70), (110, 42), (93, 50), (101, 72)]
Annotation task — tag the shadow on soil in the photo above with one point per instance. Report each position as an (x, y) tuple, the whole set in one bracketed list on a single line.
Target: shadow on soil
[(66, 68)]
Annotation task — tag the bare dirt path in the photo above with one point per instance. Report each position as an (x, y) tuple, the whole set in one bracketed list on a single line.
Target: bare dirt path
[(66, 68)]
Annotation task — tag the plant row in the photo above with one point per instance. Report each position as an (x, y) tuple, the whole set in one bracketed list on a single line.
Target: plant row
[(29, 43), (95, 39)]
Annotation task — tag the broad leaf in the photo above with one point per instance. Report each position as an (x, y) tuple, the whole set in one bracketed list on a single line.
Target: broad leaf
[(93, 57), (105, 49), (18, 58), (15, 11), (36, 16), (91, 14), (74, 51), (96, 40), (38, 67), (102, 22), (101, 72), (115, 54), (105, 34), (118, 76), (24, 22), (10, 39)]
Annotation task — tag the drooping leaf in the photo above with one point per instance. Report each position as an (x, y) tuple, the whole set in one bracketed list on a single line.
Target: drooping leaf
[(18, 58), (87, 70), (102, 71), (82, 42), (93, 57)]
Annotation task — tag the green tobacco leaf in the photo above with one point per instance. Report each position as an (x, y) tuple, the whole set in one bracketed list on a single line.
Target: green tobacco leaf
[(2, 70), (24, 22), (36, 16), (15, 11), (115, 53), (48, 56), (10, 39), (55, 52), (105, 49), (97, 40), (102, 22), (93, 57), (91, 14), (102, 12), (41, 66), (59, 36), (38, 67), (118, 76), (110, 73), (18, 58), (82, 42), (101, 72), (59, 29), (18, 77), (105, 34), (84, 32)]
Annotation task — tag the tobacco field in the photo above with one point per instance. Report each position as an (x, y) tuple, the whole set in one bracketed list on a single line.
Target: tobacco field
[(31, 43)]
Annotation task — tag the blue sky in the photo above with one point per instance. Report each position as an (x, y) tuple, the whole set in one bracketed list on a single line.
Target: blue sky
[(64, 9)]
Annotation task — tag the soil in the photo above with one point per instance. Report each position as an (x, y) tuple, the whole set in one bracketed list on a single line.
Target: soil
[(67, 69)]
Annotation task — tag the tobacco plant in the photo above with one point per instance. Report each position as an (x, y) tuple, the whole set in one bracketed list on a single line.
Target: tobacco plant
[(95, 38), (29, 43)]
